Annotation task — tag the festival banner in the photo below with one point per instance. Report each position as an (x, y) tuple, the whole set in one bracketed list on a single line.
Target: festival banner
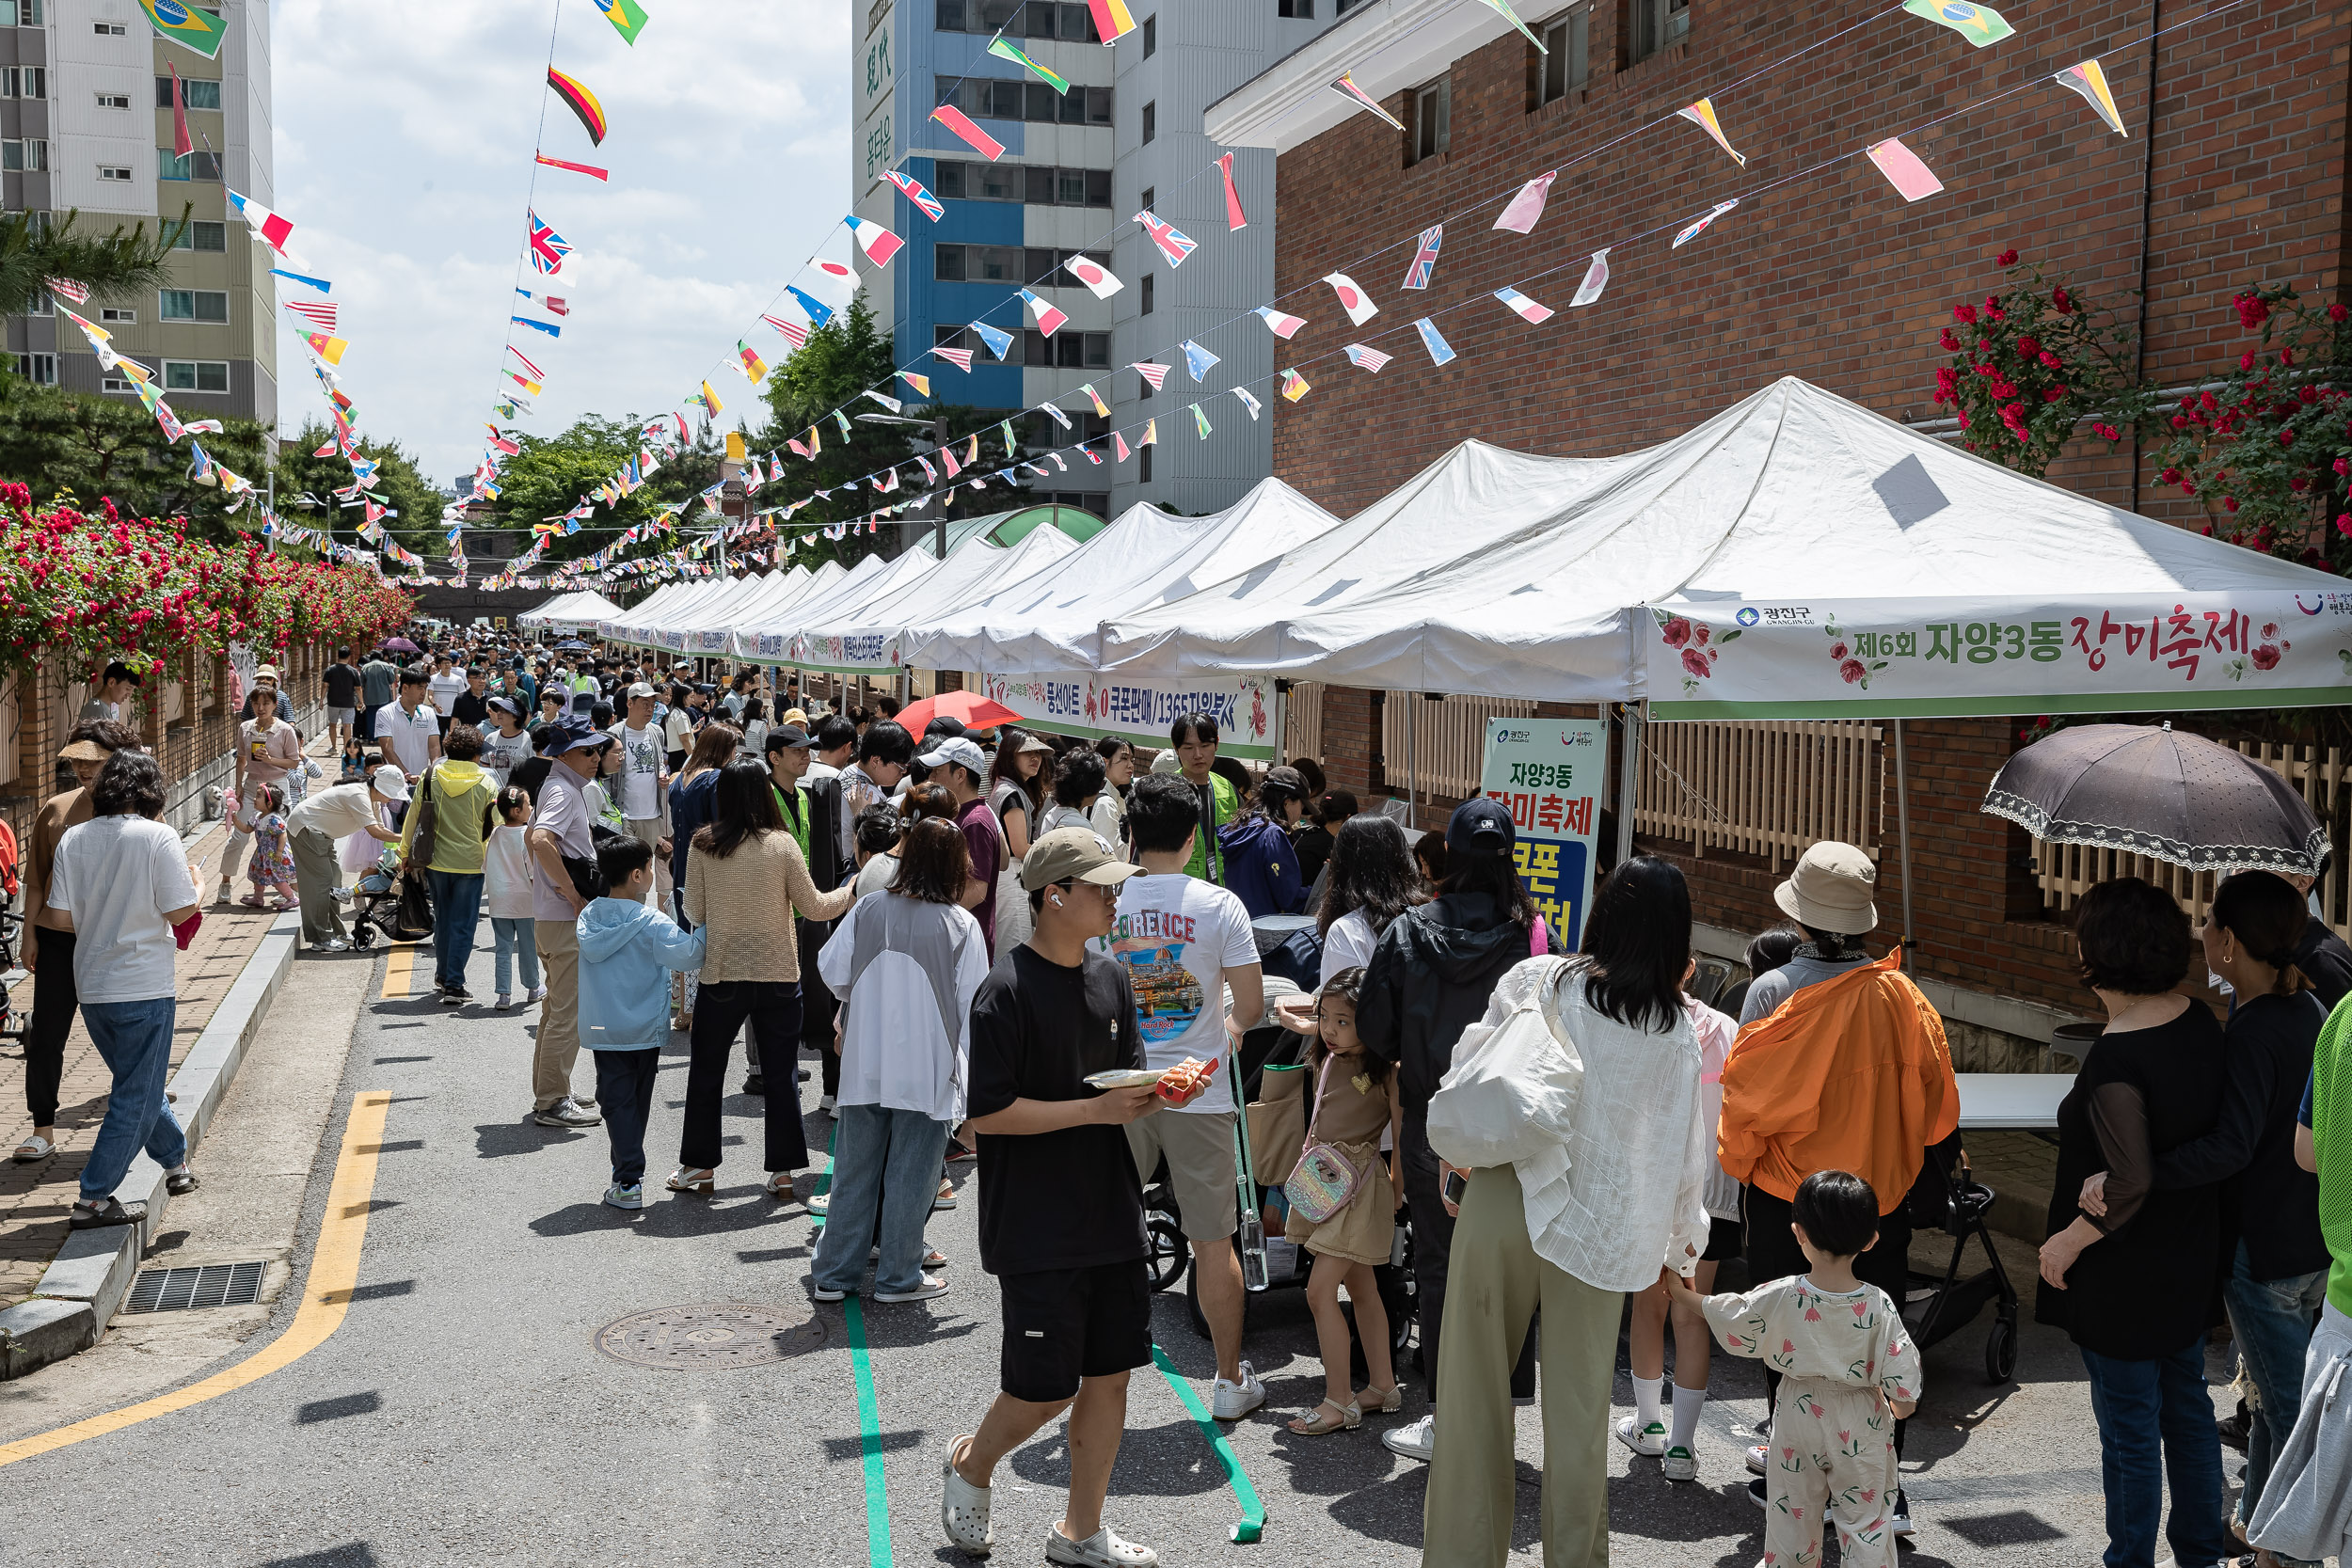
[(1140, 711), (1919, 659), (1548, 773)]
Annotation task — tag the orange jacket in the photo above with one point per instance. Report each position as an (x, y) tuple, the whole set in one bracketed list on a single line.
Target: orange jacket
[(1851, 1074)]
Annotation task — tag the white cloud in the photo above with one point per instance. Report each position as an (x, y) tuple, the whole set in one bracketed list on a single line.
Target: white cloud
[(404, 157)]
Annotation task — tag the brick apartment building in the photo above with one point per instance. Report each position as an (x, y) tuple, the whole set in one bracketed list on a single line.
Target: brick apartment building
[(2232, 172)]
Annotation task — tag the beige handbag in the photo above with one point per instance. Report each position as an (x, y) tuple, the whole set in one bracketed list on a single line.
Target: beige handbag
[(1277, 1124)]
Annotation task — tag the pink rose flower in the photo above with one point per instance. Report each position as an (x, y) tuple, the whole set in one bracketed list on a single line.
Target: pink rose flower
[(1695, 662), (1852, 671), (1838, 650), (1676, 632)]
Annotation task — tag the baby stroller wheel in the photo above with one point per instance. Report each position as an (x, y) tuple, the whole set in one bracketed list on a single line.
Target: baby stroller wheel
[(362, 934), (2000, 1350), (1170, 1252)]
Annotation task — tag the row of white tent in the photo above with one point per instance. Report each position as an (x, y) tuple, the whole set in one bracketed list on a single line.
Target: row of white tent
[(579, 611), (1795, 518)]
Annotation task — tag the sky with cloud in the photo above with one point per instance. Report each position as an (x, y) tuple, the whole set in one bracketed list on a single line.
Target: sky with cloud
[(405, 140)]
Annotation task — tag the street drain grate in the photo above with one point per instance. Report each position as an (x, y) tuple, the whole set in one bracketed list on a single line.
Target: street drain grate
[(179, 1290), (712, 1337)]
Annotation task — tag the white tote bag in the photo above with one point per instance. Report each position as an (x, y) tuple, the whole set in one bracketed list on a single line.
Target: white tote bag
[(1512, 1088)]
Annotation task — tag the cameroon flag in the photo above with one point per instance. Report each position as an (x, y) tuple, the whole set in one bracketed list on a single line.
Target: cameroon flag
[(184, 25), (1980, 24), (626, 16)]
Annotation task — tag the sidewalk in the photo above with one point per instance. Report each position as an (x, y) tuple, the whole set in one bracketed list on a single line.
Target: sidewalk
[(34, 1200)]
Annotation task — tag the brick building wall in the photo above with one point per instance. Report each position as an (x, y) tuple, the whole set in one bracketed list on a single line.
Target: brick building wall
[(2234, 172)]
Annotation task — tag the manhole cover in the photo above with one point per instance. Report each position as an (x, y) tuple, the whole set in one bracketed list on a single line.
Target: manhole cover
[(711, 1337)]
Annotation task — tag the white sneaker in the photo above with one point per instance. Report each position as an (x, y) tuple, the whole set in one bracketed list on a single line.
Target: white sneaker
[(536, 993), (1759, 1457), (504, 1000), (1679, 1463), (931, 1285), (1414, 1440), (964, 1507), (825, 1103), (1231, 1402), (1102, 1549), (1648, 1441)]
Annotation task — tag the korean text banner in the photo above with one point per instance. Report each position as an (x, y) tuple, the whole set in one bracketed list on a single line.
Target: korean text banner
[(1945, 658), (1548, 773), (1143, 711)]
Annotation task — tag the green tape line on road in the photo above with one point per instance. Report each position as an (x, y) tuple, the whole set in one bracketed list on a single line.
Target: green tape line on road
[(1251, 1525), (869, 1439)]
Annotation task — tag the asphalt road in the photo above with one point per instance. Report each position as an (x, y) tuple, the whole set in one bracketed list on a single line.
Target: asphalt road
[(464, 1412)]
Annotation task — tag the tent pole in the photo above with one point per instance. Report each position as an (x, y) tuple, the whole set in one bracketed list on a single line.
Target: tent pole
[(1629, 781), (1281, 722), (1412, 761), (1903, 831)]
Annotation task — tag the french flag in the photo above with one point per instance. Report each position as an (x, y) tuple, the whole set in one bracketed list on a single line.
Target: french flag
[(1049, 320), (1282, 325), (878, 244), (1525, 306), (270, 228)]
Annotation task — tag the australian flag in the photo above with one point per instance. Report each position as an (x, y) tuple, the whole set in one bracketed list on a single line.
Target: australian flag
[(548, 248)]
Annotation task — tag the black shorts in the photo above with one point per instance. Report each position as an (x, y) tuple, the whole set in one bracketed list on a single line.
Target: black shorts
[(1064, 1324), (1725, 1238)]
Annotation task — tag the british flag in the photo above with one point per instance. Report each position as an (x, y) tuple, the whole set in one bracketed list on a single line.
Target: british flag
[(912, 188), (548, 248), (1173, 245), (1424, 259)]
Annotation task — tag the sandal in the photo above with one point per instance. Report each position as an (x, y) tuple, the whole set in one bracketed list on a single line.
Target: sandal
[(1382, 1401), (687, 1179), (779, 1186), (34, 1148), (251, 900), (947, 1199), (1345, 1418)]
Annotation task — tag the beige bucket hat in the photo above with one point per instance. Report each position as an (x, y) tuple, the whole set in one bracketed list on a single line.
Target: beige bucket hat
[(1832, 889)]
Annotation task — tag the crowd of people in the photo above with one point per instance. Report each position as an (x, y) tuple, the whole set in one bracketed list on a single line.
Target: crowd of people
[(1030, 951)]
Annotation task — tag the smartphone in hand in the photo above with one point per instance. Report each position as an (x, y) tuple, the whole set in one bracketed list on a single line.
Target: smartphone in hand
[(1453, 1187)]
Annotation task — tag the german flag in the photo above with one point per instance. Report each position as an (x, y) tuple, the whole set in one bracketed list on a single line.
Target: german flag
[(581, 102)]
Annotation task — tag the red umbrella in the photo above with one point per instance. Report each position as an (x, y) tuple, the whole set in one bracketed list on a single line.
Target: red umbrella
[(975, 711)]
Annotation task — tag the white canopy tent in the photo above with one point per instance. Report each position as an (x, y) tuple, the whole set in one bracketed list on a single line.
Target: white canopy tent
[(767, 639), (638, 625), (866, 638), (676, 630), (572, 611)]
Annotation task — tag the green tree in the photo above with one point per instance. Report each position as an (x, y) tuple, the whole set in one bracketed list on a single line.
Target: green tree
[(552, 472), (93, 447), (399, 485), (34, 248)]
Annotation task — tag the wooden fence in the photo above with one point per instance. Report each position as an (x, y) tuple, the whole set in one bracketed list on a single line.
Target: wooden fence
[(1437, 748), (1766, 789), (1302, 720), (2322, 775)]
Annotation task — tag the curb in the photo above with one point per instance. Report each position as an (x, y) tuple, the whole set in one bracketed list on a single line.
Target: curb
[(77, 1298)]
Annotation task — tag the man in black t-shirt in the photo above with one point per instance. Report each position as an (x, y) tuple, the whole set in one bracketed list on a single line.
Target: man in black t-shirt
[(342, 698), (1061, 1209)]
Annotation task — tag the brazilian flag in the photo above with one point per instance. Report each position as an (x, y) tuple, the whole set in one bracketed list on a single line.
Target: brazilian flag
[(1980, 24), (627, 17), (186, 25)]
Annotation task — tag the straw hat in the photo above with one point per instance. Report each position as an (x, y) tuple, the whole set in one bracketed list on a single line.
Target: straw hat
[(1832, 890)]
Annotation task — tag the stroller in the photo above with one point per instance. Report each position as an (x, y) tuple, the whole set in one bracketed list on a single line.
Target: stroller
[(1947, 1197), (376, 902)]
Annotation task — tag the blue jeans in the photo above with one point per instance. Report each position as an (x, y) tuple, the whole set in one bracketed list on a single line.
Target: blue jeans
[(2272, 1319), (625, 1085), (885, 1176), (2155, 1422), (456, 911), (515, 936), (134, 1040)]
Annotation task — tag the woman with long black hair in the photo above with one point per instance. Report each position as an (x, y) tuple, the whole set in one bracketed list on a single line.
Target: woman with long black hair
[(751, 970), (1574, 1226), (1430, 978)]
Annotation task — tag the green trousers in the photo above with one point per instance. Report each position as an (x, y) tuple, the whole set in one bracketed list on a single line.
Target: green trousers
[(1494, 1286)]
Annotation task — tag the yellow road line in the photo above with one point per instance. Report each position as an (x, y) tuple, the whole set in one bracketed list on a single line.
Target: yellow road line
[(334, 1272), (398, 966)]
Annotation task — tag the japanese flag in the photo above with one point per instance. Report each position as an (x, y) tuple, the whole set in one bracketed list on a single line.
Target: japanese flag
[(1353, 300)]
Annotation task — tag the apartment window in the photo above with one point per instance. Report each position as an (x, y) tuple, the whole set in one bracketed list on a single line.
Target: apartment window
[(1656, 24), (195, 93), (192, 305), (109, 314), (119, 174), (1038, 19), (1040, 184), (1433, 108), (1144, 473), (30, 154), (187, 166), (116, 384), (995, 97), (40, 369), (1151, 36), (108, 100), (21, 13), (1560, 70), (1302, 10), (32, 81), (1143, 388), (196, 376), (1149, 198), (1067, 350), (109, 29), (1151, 120), (1147, 296), (201, 235)]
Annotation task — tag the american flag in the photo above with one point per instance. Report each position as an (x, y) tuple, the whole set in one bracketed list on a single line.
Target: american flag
[(1369, 359), (65, 288), (1424, 259), (536, 372), (794, 333), (322, 316), (548, 248), (1150, 371), (960, 357), (1173, 245)]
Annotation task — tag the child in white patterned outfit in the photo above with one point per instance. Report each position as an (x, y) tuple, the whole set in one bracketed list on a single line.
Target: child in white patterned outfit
[(1848, 1371)]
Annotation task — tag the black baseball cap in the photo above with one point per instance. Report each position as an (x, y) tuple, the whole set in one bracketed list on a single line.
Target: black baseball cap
[(1479, 827)]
